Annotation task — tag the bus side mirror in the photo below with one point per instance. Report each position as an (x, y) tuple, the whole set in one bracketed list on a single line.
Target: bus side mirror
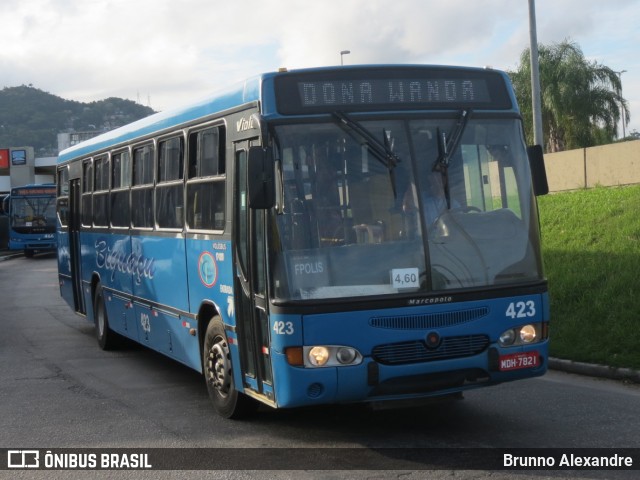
[(261, 186), (538, 170)]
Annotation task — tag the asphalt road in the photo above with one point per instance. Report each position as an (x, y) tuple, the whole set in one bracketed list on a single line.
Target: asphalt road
[(59, 390)]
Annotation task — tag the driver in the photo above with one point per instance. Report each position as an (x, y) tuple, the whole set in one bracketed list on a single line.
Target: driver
[(434, 200)]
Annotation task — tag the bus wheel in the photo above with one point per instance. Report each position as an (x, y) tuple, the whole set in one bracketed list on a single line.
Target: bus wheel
[(107, 338), (218, 373), (29, 253)]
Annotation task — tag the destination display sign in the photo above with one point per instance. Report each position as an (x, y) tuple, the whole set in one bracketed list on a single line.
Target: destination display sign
[(34, 191), (389, 89)]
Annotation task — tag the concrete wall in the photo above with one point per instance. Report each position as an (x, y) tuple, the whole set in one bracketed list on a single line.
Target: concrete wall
[(606, 165)]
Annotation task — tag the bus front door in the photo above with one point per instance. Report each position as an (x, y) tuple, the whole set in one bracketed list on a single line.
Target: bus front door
[(250, 286)]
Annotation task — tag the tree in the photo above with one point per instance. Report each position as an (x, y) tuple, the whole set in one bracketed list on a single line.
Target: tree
[(582, 101)]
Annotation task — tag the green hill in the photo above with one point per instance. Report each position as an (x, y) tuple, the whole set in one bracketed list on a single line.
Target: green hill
[(32, 117), (591, 249)]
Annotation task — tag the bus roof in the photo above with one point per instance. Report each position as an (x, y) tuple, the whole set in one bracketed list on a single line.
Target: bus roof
[(239, 94), (250, 90)]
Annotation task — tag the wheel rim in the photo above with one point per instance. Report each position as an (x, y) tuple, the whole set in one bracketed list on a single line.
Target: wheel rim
[(218, 367)]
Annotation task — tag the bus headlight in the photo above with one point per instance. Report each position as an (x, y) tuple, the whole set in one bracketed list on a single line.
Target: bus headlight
[(346, 355), (524, 335), (507, 338), (330, 356), (528, 334), (318, 356)]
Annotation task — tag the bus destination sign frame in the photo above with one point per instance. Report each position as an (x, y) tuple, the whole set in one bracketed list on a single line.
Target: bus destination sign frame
[(402, 89)]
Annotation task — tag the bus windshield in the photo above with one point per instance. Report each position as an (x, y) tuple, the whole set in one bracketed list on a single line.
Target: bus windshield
[(380, 207), (28, 213)]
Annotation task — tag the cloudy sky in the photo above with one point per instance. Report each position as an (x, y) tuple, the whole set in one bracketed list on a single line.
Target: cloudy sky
[(168, 52)]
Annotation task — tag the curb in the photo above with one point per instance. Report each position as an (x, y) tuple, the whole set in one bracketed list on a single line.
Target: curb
[(9, 256), (594, 370)]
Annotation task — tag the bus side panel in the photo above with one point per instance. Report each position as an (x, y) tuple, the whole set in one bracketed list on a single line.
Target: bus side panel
[(109, 259), (161, 299), (210, 273), (157, 270), (88, 262), (64, 267), (121, 315)]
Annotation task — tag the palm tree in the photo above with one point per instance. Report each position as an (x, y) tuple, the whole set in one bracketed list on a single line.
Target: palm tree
[(581, 101)]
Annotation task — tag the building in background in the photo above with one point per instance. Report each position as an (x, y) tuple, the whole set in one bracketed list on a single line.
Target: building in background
[(18, 165)]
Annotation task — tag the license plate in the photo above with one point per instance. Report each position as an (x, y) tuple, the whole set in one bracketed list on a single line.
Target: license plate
[(516, 361)]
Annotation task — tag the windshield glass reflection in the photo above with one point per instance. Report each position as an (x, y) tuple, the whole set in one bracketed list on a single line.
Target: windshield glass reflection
[(349, 224)]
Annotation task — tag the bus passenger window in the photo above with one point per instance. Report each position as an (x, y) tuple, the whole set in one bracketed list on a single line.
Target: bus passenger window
[(207, 181), (169, 206), (101, 194), (170, 160), (121, 177), (63, 182), (205, 202), (120, 183), (206, 153), (87, 189), (142, 190), (169, 191), (63, 196), (143, 165)]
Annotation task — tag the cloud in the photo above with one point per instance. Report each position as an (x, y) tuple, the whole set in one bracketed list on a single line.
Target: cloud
[(174, 52)]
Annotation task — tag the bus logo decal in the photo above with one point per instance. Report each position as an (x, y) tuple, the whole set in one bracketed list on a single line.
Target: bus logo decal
[(116, 260), (207, 269), (244, 124)]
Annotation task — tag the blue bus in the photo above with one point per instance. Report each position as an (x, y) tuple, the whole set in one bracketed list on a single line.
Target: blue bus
[(361, 234), (32, 218)]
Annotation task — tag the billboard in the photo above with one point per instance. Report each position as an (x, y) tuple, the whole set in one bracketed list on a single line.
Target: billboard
[(4, 158), (18, 157)]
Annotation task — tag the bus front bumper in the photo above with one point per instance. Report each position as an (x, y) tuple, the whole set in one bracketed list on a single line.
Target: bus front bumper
[(371, 381)]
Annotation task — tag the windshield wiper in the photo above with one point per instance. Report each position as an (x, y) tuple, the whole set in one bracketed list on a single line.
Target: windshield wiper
[(381, 151), (448, 146)]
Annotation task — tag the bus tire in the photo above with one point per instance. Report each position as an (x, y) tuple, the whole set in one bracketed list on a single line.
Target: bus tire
[(107, 338), (29, 253), (218, 374)]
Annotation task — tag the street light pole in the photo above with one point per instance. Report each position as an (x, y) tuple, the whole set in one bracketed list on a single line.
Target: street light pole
[(536, 103), (342, 54)]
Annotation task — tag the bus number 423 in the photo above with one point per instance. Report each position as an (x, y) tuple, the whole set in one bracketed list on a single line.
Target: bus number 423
[(283, 328), (521, 309)]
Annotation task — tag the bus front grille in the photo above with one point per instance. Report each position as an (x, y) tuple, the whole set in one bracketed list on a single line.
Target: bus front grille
[(416, 351), (429, 320)]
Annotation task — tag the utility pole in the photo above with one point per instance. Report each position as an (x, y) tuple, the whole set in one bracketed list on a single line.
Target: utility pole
[(535, 77)]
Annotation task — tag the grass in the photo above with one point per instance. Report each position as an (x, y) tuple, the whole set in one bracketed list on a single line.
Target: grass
[(591, 250)]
